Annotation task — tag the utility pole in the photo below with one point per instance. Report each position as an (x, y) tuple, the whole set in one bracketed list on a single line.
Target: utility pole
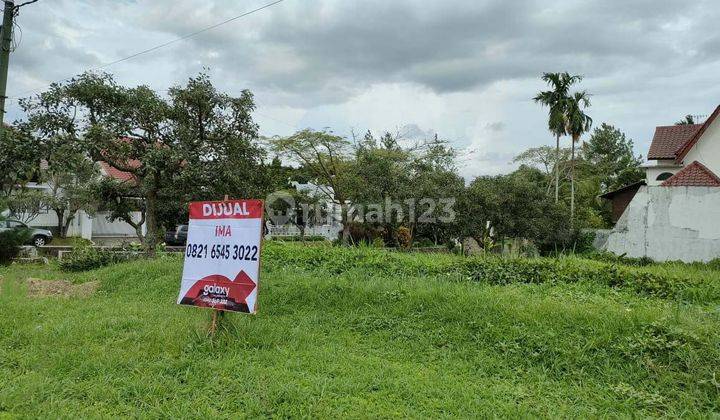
[(5, 44), (6, 33)]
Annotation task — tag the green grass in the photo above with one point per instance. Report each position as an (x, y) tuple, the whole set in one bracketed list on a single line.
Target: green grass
[(368, 333)]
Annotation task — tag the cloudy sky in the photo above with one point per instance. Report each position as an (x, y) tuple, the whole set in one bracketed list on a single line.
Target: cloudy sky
[(465, 69)]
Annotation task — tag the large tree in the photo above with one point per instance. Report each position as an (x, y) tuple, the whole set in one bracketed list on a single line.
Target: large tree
[(65, 167), (417, 178), (556, 101), (610, 154), (327, 158), (19, 160), (517, 206), (578, 123), (189, 144), (544, 158)]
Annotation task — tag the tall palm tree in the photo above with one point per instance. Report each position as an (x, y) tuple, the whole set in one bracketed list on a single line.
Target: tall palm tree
[(577, 124), (556, 100)]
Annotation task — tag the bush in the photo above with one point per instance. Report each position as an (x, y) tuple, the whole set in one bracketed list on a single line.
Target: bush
[(403, 237), (86, 258), (497, 270), (10, 243)]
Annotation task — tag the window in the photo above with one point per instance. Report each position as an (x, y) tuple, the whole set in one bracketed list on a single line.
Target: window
[(13, 224), (663, 176)]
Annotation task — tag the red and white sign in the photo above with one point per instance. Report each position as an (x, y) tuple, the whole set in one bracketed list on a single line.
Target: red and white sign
[(222, 256)]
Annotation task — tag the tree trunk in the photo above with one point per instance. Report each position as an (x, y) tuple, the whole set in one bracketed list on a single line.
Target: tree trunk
[(66, 226), (59, 213), (572, 183), (346, 225), (557, 168), (151, 223)]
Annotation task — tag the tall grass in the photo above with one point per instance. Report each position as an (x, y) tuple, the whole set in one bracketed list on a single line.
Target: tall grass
[(366, 333)]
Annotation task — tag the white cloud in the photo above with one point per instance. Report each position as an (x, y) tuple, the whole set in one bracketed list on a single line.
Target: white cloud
[(464, 69)]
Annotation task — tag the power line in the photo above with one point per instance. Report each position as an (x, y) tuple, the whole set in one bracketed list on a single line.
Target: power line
[(159, 46)]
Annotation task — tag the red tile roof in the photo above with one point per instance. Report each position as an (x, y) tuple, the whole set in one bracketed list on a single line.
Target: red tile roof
[(668, 139), (118, 174), (685, 148), (693, 175)]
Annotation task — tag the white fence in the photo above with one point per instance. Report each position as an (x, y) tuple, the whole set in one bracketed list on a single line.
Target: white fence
[(329, 232)]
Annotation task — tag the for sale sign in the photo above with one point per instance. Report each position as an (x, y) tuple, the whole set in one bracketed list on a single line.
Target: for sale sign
[(222, 256)]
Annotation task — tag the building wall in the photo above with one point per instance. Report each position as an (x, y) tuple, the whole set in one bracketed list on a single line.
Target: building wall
[(652, 172), (668, 224), (707, 149)]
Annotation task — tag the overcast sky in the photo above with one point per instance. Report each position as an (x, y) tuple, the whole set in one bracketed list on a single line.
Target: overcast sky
[(466, 70)]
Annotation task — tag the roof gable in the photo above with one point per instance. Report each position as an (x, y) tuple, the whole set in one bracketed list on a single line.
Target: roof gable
[(683, 150), (119, 175), (693, 175), (668, 139)]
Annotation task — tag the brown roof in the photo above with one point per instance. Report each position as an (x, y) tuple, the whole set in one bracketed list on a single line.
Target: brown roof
[(685, 148), (668, 139), (634, 186), (693, 175), (118, 174)]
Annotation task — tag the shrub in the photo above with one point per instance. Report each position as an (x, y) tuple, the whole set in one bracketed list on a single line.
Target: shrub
[(496, 270), (86, 258), (10, 243), (403, 237)]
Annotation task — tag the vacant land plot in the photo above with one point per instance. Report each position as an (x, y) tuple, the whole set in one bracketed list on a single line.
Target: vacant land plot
[(363, 333)]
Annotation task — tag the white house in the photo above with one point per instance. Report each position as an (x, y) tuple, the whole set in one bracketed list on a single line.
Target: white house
[(676, 215), (96, 228), (328, 227)]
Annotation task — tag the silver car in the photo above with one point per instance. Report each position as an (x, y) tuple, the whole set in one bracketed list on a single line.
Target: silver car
[(39, 237)]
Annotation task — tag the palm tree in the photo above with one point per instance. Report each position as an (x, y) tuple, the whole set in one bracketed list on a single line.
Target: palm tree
[(577, 123), (688, 120), (555, 100)]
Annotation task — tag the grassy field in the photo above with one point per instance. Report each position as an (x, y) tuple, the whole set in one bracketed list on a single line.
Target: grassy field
[(367, 333)]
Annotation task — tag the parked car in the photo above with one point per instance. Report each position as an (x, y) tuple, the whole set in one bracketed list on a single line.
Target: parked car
[(38, 237), (177, 237)]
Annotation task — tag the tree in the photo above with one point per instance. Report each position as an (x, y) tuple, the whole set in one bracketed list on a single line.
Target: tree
[(418, 180), (188, 145), (71, 190), (610, 155), (517, 206), (688, 120), (578, 123), (328, 159), (66, 168), (545, 159), (25, 205), (556, 100), (19, 160)]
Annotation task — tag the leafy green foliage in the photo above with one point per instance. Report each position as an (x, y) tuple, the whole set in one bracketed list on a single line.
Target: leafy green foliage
[(25, 205), (500, 271), (19, 160), (188, 146), (610, 154), (516, 205), (83, 258), (10, 243)]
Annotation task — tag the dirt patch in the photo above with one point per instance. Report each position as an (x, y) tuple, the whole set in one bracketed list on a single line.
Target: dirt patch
[(44, 288)]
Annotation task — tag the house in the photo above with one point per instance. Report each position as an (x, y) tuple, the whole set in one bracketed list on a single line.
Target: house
[(97, 227), (328, 225), (675, 213)]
